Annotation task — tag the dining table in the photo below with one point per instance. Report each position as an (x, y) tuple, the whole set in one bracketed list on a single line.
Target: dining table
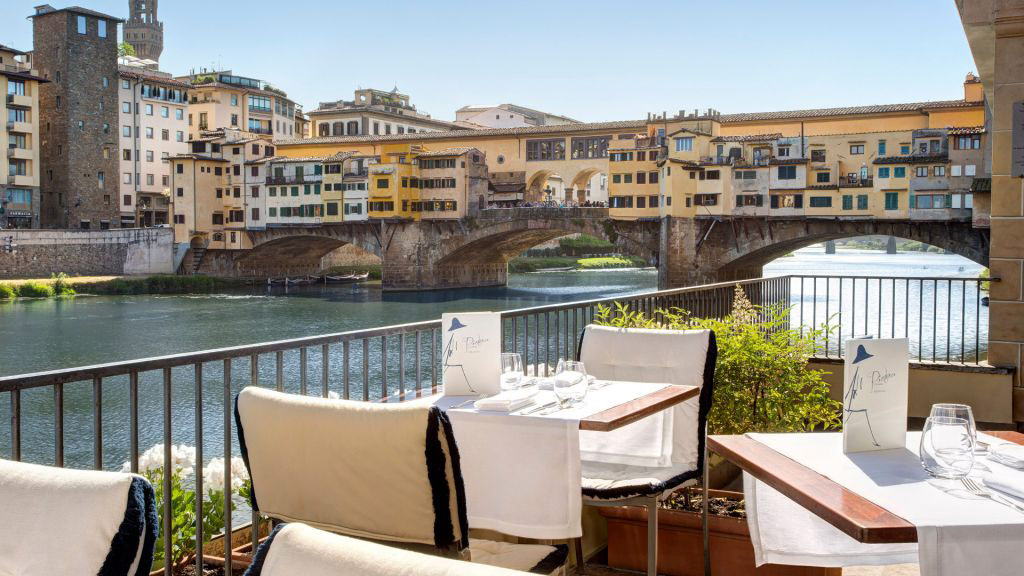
[(847, 491), (523, 467)]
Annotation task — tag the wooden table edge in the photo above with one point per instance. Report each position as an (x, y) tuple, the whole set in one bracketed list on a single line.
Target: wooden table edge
[(863, 520), (638, 408)]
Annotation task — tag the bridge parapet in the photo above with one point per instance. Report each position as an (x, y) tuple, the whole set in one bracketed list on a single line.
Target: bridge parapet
[(543, 213)]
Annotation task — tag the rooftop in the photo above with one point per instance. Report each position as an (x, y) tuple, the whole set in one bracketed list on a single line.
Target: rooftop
[(45, 9)]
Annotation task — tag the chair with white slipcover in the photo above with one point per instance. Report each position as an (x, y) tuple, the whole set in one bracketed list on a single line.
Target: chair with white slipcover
[(384, 472), (681, 357), (297, 548), (64, 521)]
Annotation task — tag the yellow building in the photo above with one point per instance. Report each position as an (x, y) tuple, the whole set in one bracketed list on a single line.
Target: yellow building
[(219, 100), (633, 180), (452, 183), (19, 165)]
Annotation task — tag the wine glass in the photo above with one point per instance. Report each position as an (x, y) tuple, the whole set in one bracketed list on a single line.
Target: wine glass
[(959, 411), (511, 370), (570, 384), (947, 448)]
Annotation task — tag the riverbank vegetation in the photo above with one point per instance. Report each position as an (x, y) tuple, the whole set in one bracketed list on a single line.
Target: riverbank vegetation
[(62, 285), (533, 264)]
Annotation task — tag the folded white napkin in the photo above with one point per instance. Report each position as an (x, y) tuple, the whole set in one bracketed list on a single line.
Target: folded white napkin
[(569, 377), (1008, 454), (507, 400), (1009, 484)]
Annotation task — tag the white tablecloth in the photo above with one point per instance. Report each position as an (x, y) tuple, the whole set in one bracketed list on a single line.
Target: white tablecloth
[(522, 472), (958, 534)]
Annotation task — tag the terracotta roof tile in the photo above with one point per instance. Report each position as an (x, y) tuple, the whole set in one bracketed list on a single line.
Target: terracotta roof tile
[(846, 111), (913, 159), (966, 130), (458, 151), (749, 138)]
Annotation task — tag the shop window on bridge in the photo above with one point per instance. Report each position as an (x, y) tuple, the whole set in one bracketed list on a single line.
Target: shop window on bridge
[(549, 149), (706, 199), (967, 142), (821, 201), (749, 200), (883, 172), (745, 175), (921, 172), (332, 169), (892, 201), (847, 201), (620, 202), (590, 147), (962, 200), (787, 201), (621, 157), (430, 163), (862, 202), (927, 201)]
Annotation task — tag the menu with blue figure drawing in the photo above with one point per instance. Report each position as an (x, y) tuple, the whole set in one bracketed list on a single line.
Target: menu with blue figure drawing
[(876, 379), (471, 353)]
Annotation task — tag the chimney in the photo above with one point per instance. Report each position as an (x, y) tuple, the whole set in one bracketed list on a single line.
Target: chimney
[(973, 91)]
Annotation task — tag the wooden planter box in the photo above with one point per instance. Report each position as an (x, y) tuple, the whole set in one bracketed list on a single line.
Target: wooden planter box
[(213, 551), (681, 544)]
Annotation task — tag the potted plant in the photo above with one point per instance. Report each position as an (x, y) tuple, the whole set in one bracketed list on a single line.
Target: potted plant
[(183, 500), (762, 384)]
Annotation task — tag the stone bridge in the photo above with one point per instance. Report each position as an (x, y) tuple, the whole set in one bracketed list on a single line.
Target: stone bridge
[(435, 254), (696, 251)]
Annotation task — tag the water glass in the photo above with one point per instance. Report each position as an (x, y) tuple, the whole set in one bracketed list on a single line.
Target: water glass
[(947, 447), (570, 384), (511, 371), (957, 411)]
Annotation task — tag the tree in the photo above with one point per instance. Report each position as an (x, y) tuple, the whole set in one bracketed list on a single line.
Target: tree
[(125, 49)]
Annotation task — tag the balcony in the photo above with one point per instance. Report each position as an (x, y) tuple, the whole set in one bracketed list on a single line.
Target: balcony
[(19, 153), (295, 179), (266, 131), (21, 127), (846, 182), (20, 100), (388, 364), (20, 180), (261, 109)]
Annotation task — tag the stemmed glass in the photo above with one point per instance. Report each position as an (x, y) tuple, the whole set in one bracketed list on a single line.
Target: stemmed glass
[(570, 385), (511, 370), (947, 447)]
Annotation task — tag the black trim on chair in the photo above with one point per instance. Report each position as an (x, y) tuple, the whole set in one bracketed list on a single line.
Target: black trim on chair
[(260, 558), (460, 486), (136, 528), (556, 559), (704, 408), (244, 450), (440, 491)]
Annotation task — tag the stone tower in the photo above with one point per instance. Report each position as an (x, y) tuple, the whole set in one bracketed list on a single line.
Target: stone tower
[(143, 31)]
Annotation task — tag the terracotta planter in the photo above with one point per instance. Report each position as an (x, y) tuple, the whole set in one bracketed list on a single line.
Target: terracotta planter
[(175, 567), (241, 554), (680, 544)]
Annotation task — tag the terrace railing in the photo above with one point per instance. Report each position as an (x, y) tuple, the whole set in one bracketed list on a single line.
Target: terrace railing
[(101, 415)]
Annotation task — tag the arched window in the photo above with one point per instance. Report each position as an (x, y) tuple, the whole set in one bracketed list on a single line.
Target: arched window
[(353, 127), (323, 129), (338, 129)]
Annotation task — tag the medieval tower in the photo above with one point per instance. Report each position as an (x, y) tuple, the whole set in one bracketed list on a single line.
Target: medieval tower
[(143, 31)]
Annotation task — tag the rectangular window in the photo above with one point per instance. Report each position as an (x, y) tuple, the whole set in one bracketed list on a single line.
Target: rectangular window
[(969, 169), (684, 144), (590, 147), (892, 200), (847, 202), (899, 172), (904, 149), (957, 170), (783, 151), (824, 177), (881, 147), (856, 148), (787, 172), (652, 177), (921, 172), (641, 178), (255, 213), (817, 155), (706, 199), (883, 172), (862, 202), (821, 201), (550, 149), (149, 109), (101, 28), (81, 25), (939, 171), (382, 183)]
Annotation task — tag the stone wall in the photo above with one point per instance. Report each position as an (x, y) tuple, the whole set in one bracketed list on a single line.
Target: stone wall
[(40, 253), (349, 255)]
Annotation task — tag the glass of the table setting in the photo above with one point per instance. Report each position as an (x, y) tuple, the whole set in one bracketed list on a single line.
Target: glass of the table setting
[(947, 447), (570, 384), (960, 411), (512, 374)]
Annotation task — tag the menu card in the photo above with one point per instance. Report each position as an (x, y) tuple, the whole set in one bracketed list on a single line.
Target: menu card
[(471, 356), (876, 379)]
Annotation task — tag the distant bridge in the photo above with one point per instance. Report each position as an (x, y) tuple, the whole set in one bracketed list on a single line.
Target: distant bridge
[(433, 254)]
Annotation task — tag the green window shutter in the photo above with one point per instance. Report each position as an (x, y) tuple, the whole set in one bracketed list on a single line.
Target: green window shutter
[(847, 202)]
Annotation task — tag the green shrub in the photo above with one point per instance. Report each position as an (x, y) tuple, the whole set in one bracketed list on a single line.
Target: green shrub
[(610, 262), (35, 290), (7, 292), (762, 382), (61, 287)]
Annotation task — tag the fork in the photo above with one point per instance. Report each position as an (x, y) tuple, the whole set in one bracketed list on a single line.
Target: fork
[(976, 489)]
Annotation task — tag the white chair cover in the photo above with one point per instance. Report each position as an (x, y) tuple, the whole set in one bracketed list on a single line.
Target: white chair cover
[(298, 549), (684, 357), (63, 521)]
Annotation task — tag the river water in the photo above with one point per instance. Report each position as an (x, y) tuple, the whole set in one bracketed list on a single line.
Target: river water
[(50, 334)]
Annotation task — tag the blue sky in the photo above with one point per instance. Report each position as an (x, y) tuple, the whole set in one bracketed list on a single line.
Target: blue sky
[(592, 60)]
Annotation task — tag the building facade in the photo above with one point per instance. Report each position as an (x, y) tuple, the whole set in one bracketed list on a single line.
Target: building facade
[(372, 112), (143, 30), (507, 116), (222, 100), (76, 50), (153, 126), (20, 165)]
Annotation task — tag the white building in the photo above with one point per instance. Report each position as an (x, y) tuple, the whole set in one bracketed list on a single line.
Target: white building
[(152, 126), (372, 112), (293, 191), (507, 116)]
